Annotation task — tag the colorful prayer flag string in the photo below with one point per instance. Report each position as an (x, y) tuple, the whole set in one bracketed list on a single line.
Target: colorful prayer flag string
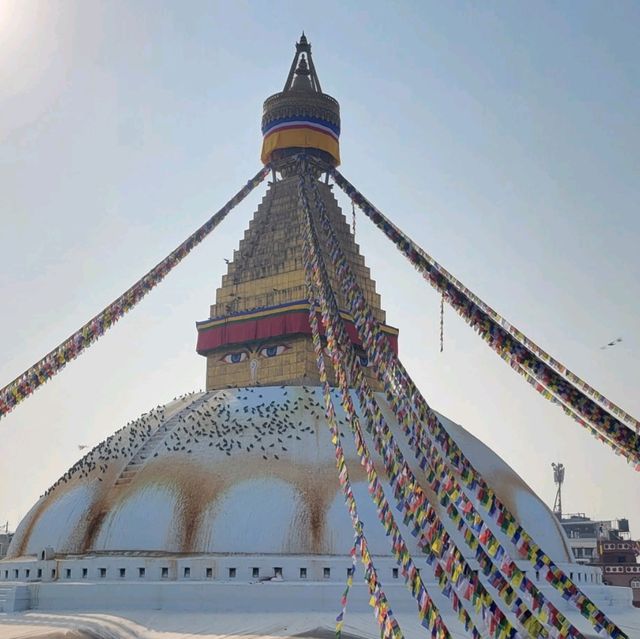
[(427, 610), (402, 479), (506, 521), (389, 627), (442, 323), (343, 600), (42, 371), (353, 219), (510, 343)]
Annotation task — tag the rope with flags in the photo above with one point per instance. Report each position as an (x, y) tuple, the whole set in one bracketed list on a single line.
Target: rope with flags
[(442, 323), (343, 600), (418, 510), (411, 500), (399, 384), (432, 535), (43, 370), (602, 417), (389, 627), (406, 488), (427, 610)]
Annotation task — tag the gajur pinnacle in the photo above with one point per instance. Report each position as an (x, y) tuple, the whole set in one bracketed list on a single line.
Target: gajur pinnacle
[(301, 116)]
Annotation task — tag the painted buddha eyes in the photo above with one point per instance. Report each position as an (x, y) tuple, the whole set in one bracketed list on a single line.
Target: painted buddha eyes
[(363, 359), (242, 356), (235, 358), (273, 351)]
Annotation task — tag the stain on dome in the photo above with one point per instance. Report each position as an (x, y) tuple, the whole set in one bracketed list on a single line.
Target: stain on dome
[(242, 470)]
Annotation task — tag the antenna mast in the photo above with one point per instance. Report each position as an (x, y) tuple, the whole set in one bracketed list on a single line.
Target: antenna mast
[(558, 478)]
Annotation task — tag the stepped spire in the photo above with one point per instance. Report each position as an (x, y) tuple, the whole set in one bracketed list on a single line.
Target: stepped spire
[(258, 331), (301, 116)]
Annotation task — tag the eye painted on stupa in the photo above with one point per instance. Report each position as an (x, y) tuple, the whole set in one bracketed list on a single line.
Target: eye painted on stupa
[(364, 359), (235, 358), (274, 350)]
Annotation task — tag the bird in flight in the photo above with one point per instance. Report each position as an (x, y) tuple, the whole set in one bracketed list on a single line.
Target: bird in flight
[(611, 343)]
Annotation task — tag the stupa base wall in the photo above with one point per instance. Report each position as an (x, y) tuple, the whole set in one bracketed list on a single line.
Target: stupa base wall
[(226, 584), (206, 596), (250, 597), (226, 609)]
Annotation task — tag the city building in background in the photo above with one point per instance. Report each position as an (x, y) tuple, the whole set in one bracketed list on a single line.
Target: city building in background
[(604, 543), (5, 539)]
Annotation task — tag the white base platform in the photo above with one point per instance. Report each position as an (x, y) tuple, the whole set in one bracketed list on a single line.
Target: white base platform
[(166, 610)]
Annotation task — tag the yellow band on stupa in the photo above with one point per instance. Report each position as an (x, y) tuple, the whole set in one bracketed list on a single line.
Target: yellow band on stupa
[(301, 116), (299, 136)]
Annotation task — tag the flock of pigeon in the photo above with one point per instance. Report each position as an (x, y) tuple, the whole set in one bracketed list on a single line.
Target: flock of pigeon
[(124, 443), (243, 422), (254, 425)]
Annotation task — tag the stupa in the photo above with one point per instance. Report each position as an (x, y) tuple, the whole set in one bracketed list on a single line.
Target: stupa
[(229, 499)]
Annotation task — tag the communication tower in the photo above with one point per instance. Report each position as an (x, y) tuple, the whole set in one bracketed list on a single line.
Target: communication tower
[(558, 478)]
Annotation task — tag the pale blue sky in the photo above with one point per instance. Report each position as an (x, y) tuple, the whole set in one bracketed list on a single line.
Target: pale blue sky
[(503, 137)]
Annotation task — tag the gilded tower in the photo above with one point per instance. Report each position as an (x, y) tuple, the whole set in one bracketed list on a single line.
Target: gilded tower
[(258, 331)]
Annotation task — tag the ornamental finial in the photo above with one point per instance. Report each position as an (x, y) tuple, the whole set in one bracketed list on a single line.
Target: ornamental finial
[(302, 80), (301, 116)]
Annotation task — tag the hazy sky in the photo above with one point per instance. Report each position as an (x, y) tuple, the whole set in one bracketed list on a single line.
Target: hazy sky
[(503, 137)]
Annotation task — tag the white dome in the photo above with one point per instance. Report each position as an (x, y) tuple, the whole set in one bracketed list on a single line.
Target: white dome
[(249, 470)]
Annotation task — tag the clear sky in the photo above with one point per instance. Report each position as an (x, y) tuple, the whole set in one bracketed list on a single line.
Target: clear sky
[(503, 137)]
